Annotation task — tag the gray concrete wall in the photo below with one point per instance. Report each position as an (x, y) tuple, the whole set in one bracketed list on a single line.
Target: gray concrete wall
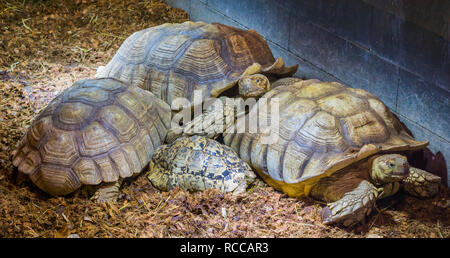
[(398, 50)]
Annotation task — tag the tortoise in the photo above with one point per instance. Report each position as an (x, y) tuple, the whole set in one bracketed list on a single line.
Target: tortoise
[(96, 132), (197, 163), (175, 60), (334, 143)]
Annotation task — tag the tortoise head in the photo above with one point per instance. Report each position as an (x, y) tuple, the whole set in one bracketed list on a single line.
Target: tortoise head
[(253, 86), (389, 168)]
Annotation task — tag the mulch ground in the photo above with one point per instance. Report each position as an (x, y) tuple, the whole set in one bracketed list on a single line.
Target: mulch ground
[(45, 46)]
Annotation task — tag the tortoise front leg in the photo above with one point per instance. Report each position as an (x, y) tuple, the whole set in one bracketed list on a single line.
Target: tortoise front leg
[(421, 183), (353, 207), (107, 192), (214, 120)]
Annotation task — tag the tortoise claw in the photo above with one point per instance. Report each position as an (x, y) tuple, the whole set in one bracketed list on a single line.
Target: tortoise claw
[(327, 216)]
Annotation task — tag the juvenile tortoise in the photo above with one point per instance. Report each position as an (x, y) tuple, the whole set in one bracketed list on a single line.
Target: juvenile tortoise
[(338, 144), (175, 60), (197, 163), (96, 132)]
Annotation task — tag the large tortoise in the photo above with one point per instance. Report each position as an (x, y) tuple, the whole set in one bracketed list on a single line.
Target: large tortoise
[(175, 60), (338, 144), (97, 132), (197, 163)]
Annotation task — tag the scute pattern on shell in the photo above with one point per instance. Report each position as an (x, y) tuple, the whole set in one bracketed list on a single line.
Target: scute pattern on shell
[(197, 163), (87, 135), (323, 127), (173, 60)]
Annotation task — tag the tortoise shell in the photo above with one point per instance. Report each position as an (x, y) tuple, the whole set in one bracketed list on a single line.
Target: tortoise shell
[(323, 127), (174, 60), (197, 163), (95, 131)]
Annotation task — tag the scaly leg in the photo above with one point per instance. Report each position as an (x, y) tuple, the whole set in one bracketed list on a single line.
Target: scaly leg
[(421, 183), (107, 192), (212, 122), (353, 207)]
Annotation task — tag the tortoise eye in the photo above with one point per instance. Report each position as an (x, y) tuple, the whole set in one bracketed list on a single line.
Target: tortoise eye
[(392, 165), (257, 80)]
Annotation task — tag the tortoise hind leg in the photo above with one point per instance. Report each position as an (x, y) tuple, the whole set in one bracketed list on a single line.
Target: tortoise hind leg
[(107, 192), (421, 183)]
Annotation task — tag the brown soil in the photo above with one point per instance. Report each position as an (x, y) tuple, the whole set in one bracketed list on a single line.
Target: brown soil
[(47, 45)]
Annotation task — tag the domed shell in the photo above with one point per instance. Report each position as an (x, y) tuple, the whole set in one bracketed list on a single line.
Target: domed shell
[(323, 127), (95, 131), (174, 60), (197, 163)]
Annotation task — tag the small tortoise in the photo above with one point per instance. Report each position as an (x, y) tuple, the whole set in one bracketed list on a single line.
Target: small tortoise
[(337, 144), (96, 132), (197, 163), (175, 60)]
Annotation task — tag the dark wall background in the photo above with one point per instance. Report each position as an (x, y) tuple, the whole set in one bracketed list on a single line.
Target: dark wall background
[(396, 49)]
